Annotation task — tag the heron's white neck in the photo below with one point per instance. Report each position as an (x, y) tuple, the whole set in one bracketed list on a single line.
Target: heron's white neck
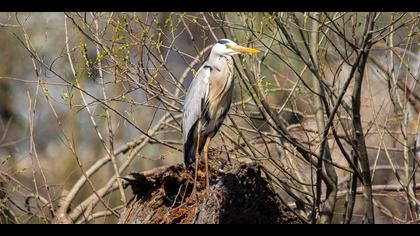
[(215, 56)]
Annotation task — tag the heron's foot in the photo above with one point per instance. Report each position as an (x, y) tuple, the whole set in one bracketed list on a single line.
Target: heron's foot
[(192, 198), (211, 191), (214, 193)]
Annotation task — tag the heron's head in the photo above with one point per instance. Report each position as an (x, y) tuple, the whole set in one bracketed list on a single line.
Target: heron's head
[(227, 47)]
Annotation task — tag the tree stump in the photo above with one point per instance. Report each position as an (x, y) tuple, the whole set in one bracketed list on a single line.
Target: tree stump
[(237, 194)]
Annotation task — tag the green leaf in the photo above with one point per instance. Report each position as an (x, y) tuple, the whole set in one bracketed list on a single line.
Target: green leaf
[(16, 188)]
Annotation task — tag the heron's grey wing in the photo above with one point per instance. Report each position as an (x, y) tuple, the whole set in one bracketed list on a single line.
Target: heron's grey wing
[(196, 98)]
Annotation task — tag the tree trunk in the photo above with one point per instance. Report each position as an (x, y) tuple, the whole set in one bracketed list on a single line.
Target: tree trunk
[(237, 194)]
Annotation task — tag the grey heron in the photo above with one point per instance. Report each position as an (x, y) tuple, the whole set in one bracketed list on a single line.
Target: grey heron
[(208, 100)]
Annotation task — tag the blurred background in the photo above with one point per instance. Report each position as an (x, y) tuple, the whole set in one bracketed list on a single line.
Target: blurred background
[(87, 98)]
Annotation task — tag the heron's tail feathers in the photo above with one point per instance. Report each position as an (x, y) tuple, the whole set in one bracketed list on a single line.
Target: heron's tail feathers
[(189, 151), (190, 146)]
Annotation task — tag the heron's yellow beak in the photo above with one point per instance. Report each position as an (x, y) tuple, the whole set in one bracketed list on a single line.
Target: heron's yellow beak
[(245, 49)]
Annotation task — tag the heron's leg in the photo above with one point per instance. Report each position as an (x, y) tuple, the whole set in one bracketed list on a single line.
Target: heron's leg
[(197, 157), (206, 149)]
